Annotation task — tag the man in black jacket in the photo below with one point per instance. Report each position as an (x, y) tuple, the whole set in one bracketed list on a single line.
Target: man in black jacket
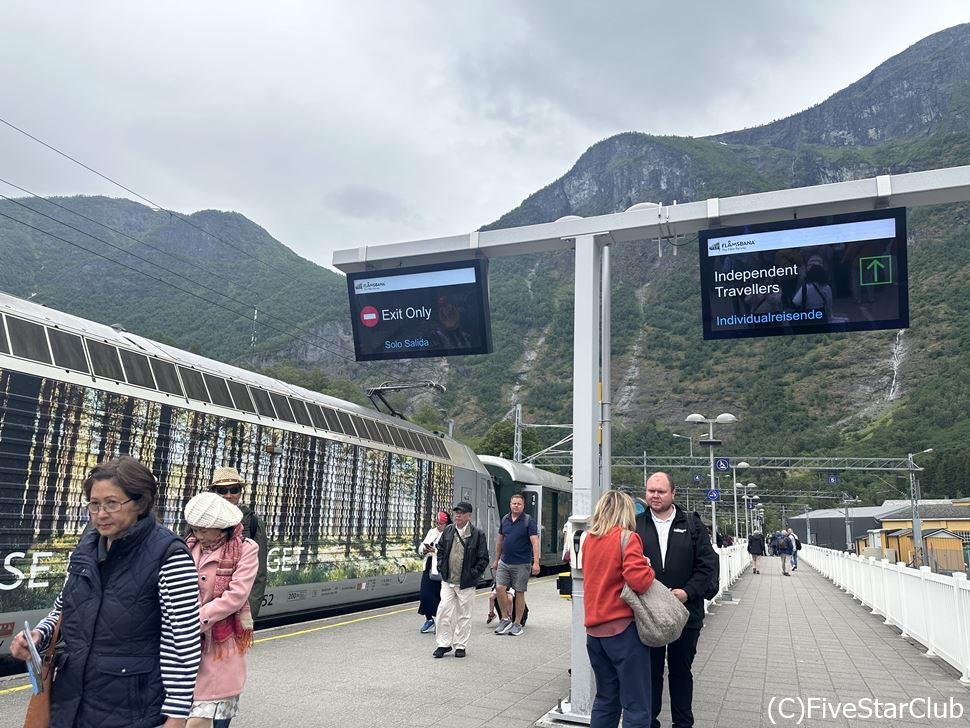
[(462, 559), (680, 551)]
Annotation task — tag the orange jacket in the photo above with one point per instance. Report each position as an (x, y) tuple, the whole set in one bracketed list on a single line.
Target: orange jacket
[(604, 575)]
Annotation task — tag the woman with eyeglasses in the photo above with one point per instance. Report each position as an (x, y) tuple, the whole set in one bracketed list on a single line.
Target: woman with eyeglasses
[(128, 612)]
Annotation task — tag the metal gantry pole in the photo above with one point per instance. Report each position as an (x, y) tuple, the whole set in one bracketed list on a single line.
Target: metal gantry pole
[(734, 483), (710, 436), (917, 524), (606, 424)]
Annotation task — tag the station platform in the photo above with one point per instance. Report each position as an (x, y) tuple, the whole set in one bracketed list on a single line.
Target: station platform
[(783, 644)]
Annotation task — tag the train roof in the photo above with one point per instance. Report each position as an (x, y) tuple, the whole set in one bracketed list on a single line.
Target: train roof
[(143, 362), (528, 474)]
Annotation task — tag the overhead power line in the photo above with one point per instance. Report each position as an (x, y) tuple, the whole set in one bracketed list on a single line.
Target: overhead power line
[(167, 283), (248, 304)]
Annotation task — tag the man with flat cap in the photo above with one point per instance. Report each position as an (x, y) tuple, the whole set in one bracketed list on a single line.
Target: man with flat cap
[(227, 483), (462, 559)]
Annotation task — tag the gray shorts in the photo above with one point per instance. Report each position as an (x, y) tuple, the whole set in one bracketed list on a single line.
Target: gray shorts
[(513, 575)]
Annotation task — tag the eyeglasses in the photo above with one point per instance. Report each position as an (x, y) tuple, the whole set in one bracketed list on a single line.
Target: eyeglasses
[(107, 506), (225, 490)]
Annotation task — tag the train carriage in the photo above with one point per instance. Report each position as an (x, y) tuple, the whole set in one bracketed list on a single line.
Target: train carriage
[(347, 493)]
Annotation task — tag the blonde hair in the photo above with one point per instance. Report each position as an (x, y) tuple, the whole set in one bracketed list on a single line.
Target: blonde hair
[(613, 509)]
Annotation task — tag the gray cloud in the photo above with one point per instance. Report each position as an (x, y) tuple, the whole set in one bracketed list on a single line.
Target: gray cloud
[(337, 124)]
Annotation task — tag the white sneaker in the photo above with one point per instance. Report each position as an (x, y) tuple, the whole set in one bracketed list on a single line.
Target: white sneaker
[(504, 626)]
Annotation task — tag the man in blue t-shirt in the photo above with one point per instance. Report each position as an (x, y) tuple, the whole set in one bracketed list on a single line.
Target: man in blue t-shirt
[(516, 557)]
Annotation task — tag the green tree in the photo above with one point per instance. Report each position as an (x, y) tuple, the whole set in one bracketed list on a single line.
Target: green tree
[(500, 440)]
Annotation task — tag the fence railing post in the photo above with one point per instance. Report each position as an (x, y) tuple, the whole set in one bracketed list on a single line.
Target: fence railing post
[(903, 601), (925, 571), (962, 597)]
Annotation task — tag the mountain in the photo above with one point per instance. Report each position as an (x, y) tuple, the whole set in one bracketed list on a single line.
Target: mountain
[(881, 393)]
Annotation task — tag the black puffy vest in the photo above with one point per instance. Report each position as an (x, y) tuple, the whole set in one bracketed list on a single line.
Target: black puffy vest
[(110, 674)]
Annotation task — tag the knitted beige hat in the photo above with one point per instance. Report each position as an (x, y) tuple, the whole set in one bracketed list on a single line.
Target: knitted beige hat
[(208, 510), (226, 476)]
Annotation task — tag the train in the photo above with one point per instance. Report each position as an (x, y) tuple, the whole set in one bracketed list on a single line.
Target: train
[(347, 493)]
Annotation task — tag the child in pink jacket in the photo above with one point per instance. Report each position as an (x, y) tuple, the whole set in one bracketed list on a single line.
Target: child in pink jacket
[(227, 564)]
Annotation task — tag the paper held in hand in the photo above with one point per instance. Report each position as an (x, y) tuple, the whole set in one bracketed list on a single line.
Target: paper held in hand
[(34, 664)]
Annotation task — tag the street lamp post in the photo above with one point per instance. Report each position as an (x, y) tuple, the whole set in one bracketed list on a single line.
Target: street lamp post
[(734, 477), (724, 418), (914, 497), (690, 440), (748, 506)]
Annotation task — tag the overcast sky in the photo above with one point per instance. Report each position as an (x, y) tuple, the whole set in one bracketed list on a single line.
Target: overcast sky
[(338, 124)]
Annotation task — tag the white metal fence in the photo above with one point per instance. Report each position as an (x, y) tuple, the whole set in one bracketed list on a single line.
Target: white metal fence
[(734, 560), (933, 609)]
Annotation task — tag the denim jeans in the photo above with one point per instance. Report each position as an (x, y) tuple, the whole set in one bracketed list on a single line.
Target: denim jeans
[(221, 723)]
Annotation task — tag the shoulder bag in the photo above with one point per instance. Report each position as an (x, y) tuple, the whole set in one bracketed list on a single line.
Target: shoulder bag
[(659, 615), (39, 707)]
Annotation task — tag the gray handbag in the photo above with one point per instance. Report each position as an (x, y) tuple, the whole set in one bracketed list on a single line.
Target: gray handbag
[(659, 615)]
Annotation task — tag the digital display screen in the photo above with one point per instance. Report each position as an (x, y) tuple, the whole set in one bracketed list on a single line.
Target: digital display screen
[(813, 276), (430, 310)]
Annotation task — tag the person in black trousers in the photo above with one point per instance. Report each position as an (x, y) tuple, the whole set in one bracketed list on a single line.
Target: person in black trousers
[(679, 548)]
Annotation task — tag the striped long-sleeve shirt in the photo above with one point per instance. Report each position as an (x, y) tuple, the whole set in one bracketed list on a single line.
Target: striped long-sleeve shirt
[(180, 645)]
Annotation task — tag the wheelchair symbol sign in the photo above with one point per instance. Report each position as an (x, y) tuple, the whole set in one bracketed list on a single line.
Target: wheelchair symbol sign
[(697, 477), (722, 465), (713, 495)]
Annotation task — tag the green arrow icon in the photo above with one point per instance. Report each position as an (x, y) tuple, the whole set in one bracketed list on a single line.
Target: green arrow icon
[(876, 270)]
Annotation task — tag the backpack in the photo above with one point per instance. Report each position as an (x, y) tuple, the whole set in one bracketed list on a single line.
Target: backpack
[(713, 586), (798, 545)]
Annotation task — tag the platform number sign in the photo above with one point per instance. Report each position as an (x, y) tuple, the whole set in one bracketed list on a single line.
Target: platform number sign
[(722, 465), (713, 495)]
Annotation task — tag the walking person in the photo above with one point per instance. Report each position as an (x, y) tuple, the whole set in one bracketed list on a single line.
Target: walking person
[(680, 551), (783, 549), (430, 578), (795, 546), (620, 661), (516, 557), (756, 547), (227, 564), (128, 612), (462, 559), (229, 484)]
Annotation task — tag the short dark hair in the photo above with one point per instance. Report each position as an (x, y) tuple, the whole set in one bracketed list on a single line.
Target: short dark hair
[(131, 476), (517, 495)]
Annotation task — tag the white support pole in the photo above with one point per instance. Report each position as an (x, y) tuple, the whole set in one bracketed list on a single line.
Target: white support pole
[(586, 451), (606, 397)]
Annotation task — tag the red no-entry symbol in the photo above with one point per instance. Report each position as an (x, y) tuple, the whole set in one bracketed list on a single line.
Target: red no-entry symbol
[(369, 316)]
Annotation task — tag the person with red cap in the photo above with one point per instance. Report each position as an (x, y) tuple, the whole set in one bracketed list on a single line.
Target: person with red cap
[(431, 579)]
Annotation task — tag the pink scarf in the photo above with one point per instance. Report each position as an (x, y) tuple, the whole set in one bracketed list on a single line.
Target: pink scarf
[(238, 626)]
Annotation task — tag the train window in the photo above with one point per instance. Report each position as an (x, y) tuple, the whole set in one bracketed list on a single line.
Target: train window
[(282, 407), (426, 444), (330, 415), (68, 351), (371, 427), (105, 361), (316, 414), (240, 395), (28, 340), (409, 441), (398, 436), (439, 448), (166, 376), (299, 411), (263, 405), (218, 390), (136, 369), (347, 424), (3, 337), (194, 384)]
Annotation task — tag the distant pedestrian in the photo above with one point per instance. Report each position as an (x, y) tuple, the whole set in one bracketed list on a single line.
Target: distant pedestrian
[(227, 564), (680, 551), (795, 545), (783, 549), (430, 578), (620, 661), (130, 604), (462, 559), (756, 547), (227, 483), (516, 557)]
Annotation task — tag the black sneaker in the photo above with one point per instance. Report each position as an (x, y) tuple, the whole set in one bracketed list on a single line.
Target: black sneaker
[(441, 652), (460, 652)]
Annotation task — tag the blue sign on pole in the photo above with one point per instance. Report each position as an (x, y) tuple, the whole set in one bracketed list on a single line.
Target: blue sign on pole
[(832, 479), (697, 477), (722, 465), (713, 495)]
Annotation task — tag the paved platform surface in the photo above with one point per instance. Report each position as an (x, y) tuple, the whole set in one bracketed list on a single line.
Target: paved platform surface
[(788, 639)]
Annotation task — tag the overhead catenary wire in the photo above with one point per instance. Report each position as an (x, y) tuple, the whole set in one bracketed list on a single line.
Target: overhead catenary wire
[(170, 284), (177, 216), (249, 304)]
